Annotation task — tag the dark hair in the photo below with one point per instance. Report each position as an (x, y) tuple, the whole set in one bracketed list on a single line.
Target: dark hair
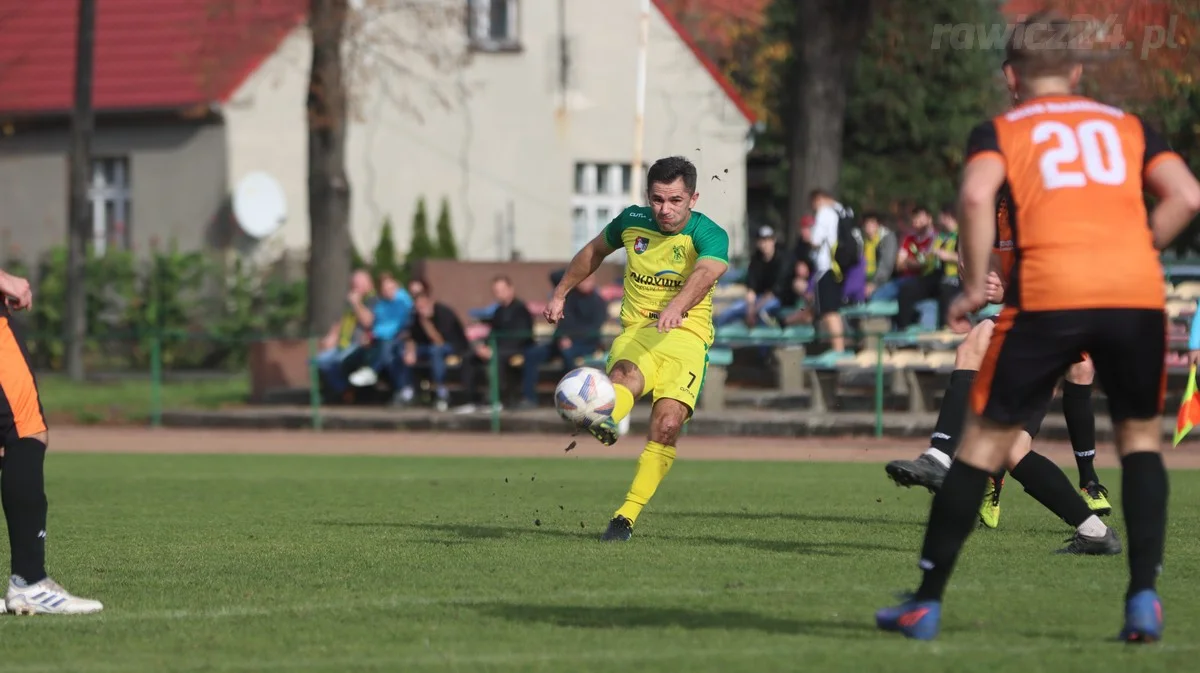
[(668, 170), (1045, 45), (873, 215), (501, 278), (917, 210), (819, 193)]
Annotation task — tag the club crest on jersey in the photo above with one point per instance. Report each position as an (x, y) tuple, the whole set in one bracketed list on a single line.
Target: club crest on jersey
[(677, 254), (640, 244)]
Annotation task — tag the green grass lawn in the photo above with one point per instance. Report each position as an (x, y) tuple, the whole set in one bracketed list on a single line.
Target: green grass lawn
[(132, 399), (210, 563)]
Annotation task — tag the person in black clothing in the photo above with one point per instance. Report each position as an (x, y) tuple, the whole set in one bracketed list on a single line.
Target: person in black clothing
[(512, 327), (576, 335), (762, 277), (435, 333)]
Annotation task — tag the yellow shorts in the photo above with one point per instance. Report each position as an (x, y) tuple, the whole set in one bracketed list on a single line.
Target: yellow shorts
[(673, 364)]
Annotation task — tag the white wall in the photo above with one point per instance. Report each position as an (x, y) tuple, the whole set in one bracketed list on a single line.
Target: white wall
[(501, 141)]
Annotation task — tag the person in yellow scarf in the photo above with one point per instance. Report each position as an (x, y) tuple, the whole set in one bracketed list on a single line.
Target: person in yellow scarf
[(880, 248), (349, 334)]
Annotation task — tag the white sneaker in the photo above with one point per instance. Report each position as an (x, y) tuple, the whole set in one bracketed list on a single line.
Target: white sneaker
[(47, 598), (363, 378)]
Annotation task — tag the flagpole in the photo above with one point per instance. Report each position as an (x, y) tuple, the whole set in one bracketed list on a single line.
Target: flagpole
[(639, 117)]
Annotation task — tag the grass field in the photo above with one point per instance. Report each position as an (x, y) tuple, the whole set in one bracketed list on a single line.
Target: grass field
[(257, 563), (131, 399)]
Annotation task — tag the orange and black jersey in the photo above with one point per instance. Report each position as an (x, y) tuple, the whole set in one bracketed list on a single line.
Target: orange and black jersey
[(1072, 228)]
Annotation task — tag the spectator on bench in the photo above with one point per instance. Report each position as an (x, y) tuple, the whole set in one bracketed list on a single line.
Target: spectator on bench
[(392, 311), (435, 334), (879, 250), (346, 337), (762, 277), (938, 279), (911, 255), (795, 293), (917, 267), (577, 335), (511, 330)]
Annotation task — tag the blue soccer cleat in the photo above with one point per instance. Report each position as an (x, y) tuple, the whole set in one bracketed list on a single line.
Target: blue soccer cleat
[(919, 620), (1143, 618)]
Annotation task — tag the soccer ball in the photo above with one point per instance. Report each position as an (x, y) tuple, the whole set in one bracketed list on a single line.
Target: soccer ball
[(585, 396)]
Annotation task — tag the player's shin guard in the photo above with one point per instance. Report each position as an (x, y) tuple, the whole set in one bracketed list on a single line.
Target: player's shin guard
[(1049, 485), (624, 402), (950, 521), (953, 413), (1144, 496), (1081, 429), (653, 465), (23, 495)]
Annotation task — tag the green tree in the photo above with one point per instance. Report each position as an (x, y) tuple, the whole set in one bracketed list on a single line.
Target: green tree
[(421, 246), (385, 252), (356, 260), (915, 95), (446, 247)]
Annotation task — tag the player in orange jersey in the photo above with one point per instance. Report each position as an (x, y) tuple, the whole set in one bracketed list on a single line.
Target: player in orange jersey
[(1076, 170)]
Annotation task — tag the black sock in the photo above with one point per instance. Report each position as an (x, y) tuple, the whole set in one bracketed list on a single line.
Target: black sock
[(953, 415), (1049, 485), (23, 495), (1081, 428), (1144, 497), (951, 518)]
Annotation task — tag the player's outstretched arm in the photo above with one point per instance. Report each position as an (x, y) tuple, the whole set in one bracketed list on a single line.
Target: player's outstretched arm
[(1179, 199), (583, 264), (706, 273)]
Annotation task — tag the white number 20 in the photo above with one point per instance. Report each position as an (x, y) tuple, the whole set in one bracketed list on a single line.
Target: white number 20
[(1103, 160)]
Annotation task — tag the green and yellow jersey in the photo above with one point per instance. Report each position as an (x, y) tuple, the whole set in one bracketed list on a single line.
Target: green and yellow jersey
[(658, 264)]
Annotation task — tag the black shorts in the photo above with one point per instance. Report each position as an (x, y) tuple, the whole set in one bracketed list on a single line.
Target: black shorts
[(1031, 350), (1082, 357), (827, 297)]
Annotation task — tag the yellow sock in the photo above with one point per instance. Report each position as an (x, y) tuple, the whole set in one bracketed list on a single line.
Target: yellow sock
[(653, 465), (624, 403)]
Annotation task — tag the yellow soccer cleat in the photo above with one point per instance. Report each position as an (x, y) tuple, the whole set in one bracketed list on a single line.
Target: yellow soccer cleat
[(989, 509), (1096, 497)]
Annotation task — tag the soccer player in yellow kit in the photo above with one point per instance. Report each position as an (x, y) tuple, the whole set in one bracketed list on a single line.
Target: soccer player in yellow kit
[(675, 256)]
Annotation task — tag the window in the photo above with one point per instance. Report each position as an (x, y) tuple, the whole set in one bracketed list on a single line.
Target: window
[(601, 192), (492, 25), (111, 207)]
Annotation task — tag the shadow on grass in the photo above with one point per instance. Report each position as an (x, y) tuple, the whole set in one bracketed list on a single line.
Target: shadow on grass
[(592, 617), (801, 517), (467, 531), (478, 532), (792, 546)]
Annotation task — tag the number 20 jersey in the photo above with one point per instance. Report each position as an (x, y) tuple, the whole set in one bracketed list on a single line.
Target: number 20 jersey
[(1073, 229)]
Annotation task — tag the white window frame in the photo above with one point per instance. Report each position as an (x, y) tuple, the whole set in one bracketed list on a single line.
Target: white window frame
[(479, 26), (110, 185), (597, 208)]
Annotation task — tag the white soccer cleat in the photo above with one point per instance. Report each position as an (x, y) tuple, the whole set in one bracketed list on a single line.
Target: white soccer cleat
[(47, 598)]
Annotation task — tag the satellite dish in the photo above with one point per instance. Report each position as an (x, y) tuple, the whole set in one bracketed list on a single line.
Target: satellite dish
[(259, 205)]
